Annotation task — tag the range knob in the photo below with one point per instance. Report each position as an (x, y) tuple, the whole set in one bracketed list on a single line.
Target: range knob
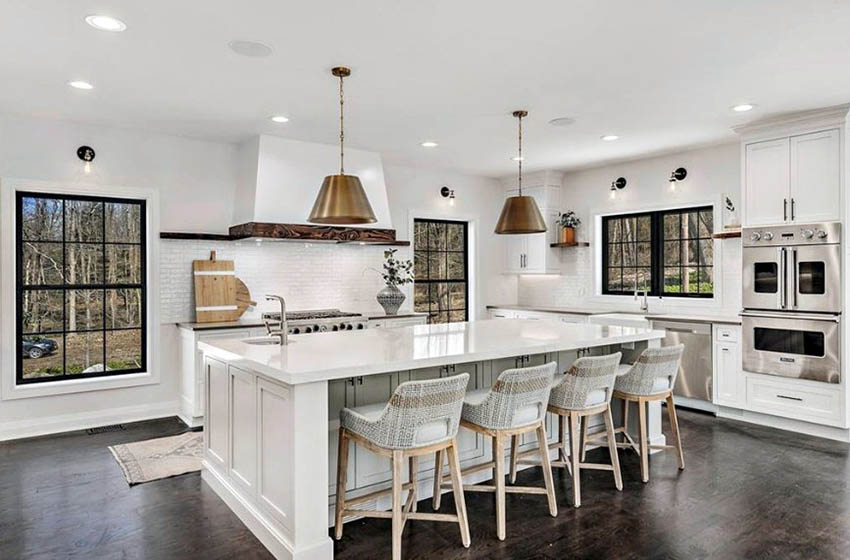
[(755, 236), (768, 236), (315, 328), (808, 234), (360, 326), (821, 234), (349, 327), (296, 330), (335, 328), (323, 328)]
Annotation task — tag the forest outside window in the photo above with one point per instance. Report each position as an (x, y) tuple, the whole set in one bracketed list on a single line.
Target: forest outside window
[(667, 253), (440, 256), (80, 287)]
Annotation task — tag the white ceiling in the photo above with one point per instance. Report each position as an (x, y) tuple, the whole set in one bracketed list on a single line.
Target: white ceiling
[(661, 74)]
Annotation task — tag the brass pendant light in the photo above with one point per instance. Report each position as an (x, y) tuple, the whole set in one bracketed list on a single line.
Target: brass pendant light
[(520, 214), (342, 200)]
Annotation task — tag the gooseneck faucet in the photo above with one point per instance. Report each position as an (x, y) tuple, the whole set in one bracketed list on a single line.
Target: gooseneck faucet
[(644, 304), (283, 329)]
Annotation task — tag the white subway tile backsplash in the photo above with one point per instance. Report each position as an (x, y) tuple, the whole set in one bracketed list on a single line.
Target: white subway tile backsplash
[(308, 275)]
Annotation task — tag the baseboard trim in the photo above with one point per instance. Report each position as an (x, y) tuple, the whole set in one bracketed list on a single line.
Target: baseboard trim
[(84, 420)]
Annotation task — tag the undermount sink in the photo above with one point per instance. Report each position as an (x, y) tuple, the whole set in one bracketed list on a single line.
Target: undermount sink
[(262, 341), (622, 319)]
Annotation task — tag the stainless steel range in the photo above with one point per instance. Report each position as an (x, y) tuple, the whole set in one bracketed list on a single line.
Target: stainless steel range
[(792, 301), (319, 320)]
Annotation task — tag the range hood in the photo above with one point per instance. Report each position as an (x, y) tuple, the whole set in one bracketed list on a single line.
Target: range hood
[(277, 181)]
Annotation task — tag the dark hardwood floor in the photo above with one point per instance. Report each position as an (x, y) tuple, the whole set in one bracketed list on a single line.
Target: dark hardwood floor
[(746, 492)]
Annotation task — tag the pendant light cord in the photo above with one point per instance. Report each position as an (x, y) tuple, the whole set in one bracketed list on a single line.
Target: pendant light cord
[(341, 133), (519, 157)]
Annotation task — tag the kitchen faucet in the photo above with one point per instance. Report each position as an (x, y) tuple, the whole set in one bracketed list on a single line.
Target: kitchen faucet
[(644, 304), (283, 330)]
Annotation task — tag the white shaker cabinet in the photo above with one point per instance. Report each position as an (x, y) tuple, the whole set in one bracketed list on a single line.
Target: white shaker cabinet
[(729, 383), (531, 253), (793, 179)]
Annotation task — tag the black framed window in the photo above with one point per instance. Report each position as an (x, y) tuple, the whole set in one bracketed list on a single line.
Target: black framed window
[(440, 256), (80, 287), (667, 253)]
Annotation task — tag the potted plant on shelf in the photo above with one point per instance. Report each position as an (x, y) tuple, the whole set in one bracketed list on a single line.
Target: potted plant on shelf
[(568, 221), (396, 273)]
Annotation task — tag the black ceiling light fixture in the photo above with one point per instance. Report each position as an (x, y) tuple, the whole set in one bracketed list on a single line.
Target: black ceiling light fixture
[(86, 154), (617, 185), (678, 175), (449, 193)]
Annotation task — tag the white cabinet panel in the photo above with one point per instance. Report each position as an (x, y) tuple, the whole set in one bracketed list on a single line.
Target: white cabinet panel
[(274, 417), (729, 377), (514, 252), (815, 180), (767, 182), (217, 422), (243, 429), (800, 400)]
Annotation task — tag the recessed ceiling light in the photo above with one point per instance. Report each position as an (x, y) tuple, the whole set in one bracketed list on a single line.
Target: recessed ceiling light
[(429, 144), (79, 84), (106, 23), (280, 119), (518, 158), (743, 107), (562, 121), (250, 48), (610, 137)]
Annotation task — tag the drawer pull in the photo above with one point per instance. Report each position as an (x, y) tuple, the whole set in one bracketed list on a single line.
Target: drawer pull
[(789, 398)]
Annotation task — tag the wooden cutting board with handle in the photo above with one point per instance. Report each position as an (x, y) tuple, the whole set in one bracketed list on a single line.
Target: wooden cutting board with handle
[(215, 290)]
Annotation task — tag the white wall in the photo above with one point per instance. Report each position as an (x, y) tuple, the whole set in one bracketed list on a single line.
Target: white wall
[(415, 192), (188, 173), (712, 171)]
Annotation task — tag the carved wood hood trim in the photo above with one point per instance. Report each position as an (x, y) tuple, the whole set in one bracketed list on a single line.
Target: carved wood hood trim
[(299, 232)]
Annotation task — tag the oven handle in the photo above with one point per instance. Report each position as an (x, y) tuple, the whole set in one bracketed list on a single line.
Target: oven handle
[(805, 316), (794, 267), (783, 279)]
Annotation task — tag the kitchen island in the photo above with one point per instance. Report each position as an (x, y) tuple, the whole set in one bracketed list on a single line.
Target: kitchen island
[(272, 411)]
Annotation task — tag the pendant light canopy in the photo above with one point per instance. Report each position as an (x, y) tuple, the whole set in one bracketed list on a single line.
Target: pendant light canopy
[(520, 214), (341, 199)]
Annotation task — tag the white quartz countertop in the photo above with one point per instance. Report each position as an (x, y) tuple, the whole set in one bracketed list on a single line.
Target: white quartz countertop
[(338, 355), (724, 318)]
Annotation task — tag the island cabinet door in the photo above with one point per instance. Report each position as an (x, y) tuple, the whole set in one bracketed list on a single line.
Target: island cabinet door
[(216, 423), (369, 468), (274, 444), (243, 429), (336, 402)]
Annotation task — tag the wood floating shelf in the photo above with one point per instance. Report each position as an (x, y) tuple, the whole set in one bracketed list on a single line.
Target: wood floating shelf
[(576, 244), (729, 234), (297, 232)]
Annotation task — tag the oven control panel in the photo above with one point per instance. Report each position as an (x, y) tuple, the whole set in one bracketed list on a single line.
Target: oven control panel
[(792, 234)]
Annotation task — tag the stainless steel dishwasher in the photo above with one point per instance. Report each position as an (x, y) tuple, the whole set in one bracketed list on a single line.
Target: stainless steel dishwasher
[(694, 381)]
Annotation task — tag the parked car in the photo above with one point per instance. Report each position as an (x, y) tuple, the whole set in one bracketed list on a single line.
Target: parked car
[(38, 347)]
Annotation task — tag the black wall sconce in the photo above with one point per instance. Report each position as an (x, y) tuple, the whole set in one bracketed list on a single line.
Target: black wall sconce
[(678, 175), (617, 184), (86, 154), (446, 192)]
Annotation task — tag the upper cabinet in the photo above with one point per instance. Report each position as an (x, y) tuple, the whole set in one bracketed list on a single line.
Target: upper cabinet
[(792, 169), (531, 253)]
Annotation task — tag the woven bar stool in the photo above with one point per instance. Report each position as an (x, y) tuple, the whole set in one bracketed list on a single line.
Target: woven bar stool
[(421, 418), (651, 378), (516, 404), (584, 391)]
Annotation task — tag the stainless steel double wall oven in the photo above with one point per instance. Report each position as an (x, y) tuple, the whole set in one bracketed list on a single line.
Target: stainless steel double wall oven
[(792, 301)]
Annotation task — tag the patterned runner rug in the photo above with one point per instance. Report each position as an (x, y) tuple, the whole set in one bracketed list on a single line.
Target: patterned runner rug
[(153, 459)]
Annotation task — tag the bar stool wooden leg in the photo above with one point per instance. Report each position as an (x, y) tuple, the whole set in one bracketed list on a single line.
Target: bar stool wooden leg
[(674, 426), (437, 496), (547, 470), (457, 489), (412, 472), (625, 419), (514, 443), (584, 423), (612, 448), (644, 444), (398, 523), (499, 468), (574, 458), (341, 476), (562, 438)]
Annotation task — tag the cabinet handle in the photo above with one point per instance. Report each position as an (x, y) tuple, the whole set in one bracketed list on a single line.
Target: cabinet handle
[(360, 380), (725, 349), (784, 209), (351, 381), (789, 398), (793, 205)]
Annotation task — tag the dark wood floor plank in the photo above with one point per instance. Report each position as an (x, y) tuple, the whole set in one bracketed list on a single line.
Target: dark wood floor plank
[(747, 492)]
